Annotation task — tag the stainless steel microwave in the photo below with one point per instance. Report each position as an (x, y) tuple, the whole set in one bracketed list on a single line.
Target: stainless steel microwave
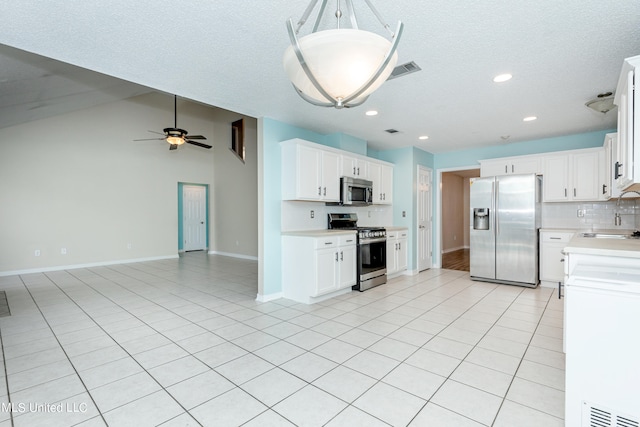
[(355, 191)]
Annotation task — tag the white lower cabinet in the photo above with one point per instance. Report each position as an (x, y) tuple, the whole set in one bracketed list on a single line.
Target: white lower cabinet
[(552, 244), (396, 251), (314, 267)]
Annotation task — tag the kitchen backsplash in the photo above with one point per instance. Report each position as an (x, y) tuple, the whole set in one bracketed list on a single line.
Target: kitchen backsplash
[(297, 215), (591, 215)]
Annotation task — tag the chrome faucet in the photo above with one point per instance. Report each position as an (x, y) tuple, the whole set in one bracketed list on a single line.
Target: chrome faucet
[(623, 193)]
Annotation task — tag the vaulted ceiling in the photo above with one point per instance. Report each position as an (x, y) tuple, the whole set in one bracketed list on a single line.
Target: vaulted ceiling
[(60, 56)]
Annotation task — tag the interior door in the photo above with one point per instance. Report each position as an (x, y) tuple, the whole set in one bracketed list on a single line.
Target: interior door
[(424, 219), (194, 211)]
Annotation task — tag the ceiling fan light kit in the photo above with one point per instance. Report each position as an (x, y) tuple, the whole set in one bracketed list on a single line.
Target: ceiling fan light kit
[(176, 136), (339, 67)]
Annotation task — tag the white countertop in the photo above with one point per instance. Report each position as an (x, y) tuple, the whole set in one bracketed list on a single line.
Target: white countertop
[(628, 248), (319, 233), (395, 228)]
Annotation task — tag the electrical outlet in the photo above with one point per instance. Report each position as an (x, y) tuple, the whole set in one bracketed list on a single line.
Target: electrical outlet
[(404, 214), (128, 245), (313, 214), (36, 252), (580, 213), (63, 251)]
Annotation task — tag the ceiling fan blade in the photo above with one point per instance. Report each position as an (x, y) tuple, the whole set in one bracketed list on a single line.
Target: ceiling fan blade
[(150, 139), (159, 133), (196, 137), (199, 144), (173, 146)]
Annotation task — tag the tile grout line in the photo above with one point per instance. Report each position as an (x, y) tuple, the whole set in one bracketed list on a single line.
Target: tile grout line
[(62, 348), (123, 349), (520, 363), (6, 379)]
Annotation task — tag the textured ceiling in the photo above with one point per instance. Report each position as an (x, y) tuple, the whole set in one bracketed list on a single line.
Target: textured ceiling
[(229, 54)]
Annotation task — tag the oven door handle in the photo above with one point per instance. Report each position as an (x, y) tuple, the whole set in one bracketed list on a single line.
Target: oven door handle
[(367, 241)]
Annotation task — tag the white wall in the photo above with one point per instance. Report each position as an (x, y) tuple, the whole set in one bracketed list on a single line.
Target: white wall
[(235, 192), (296, 215), (78, 181)]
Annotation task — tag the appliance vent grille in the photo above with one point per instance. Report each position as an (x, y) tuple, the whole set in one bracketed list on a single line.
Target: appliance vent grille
[(392, 130), (594, 416), (403, 70)]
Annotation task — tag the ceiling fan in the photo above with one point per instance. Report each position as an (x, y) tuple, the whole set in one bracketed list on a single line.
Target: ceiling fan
[(176, 136)]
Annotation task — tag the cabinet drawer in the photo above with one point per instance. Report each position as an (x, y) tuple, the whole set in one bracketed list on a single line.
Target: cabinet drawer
[(347, 240), (554, 237), (326, 242)]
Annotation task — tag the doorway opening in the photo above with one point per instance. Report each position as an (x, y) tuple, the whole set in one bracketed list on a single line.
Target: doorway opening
[(454, 224), (193, 217)]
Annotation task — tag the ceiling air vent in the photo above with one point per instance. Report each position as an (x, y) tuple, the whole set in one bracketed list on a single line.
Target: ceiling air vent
[(391, 130), (404, 69)]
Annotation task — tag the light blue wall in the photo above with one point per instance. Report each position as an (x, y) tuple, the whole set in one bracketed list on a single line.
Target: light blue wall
[(274, 132), (405, 179), (406, 161), (470, 157)]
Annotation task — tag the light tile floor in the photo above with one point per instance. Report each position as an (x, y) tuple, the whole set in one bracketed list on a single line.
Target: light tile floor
[(183, 342)]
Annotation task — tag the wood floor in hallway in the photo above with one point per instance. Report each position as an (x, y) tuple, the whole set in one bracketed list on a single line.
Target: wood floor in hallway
[(456, 260)]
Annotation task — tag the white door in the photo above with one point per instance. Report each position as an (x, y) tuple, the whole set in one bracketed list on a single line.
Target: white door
[(194, 220), (424, 218)]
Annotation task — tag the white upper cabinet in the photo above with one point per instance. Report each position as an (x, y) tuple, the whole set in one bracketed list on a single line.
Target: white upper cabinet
[(354, 167), (310, 173), (574, 176), (510, 166), (382, 177), (626, 166)]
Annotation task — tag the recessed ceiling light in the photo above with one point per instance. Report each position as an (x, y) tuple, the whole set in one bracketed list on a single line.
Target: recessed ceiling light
[(529, 119), (423, 137), (502, 78), (371, 113)]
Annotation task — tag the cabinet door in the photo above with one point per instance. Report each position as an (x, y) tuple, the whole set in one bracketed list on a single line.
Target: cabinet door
[(386, 184), (552, 262), (326, 270), (528, 165), (586, 176), (349, 166), (308, 176), (556, 178), (402, 254), (347, 266), (330, 177), (493, 168), (392, 260), (623, 167), (375, 175)]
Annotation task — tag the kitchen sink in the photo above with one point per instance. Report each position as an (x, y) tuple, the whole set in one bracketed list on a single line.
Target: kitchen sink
[(610, 236)]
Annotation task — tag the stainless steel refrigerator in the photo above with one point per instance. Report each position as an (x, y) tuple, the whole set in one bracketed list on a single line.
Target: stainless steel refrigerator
[(503, 237)]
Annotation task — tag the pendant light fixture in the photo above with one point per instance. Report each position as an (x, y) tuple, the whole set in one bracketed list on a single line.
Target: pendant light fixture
[(339, 67)]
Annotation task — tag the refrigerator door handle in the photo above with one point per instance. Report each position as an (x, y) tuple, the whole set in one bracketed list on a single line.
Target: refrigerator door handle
[(496, 201)]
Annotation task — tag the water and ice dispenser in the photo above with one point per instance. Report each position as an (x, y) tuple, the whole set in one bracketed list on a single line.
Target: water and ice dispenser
[(480, 218)]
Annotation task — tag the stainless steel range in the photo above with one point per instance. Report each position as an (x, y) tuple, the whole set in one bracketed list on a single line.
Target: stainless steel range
[(372, 250)]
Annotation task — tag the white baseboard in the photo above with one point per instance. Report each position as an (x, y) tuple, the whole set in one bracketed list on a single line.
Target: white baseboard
[(87, 265), (269, 297), (229, 254), (455, 249)]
